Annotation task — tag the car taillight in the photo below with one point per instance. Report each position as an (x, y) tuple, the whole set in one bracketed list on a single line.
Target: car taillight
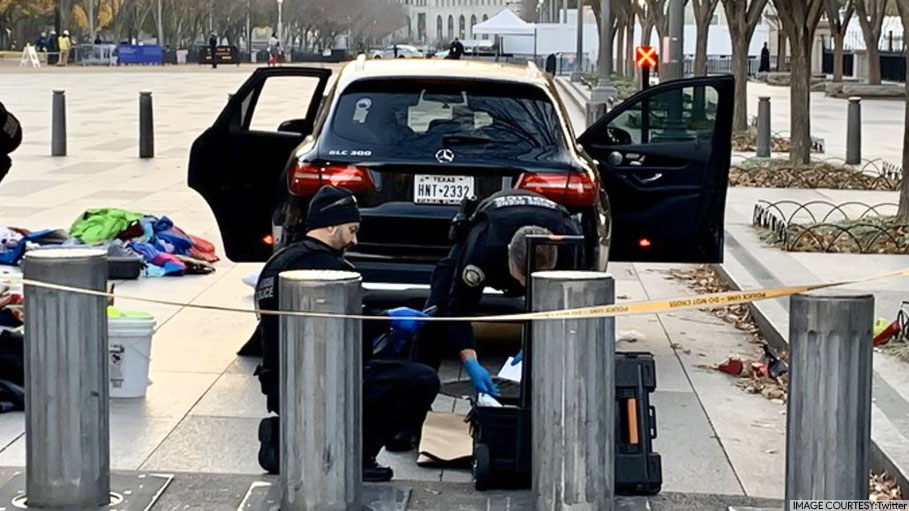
[(577, 189), (307, 178)]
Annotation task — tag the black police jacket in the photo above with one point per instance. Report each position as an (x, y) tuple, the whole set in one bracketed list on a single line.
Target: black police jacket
[(10, 138), (307, 254), (481, 260)]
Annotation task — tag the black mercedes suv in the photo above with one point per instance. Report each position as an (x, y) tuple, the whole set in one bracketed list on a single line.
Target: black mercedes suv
[(412, 138)]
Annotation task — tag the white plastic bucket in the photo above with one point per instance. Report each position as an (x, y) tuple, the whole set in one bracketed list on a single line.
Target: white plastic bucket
[(129, 344)]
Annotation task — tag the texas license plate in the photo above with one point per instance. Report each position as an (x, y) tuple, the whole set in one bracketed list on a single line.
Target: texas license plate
[(432, 189)]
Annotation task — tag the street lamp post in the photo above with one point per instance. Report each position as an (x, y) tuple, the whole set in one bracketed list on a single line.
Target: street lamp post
[(281, 21), (604, 92)]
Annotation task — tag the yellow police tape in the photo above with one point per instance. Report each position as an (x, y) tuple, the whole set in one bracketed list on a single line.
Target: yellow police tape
[(597, 311)]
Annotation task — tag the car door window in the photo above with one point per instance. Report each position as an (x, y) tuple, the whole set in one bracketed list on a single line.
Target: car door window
[(675, 115), (280, 99)]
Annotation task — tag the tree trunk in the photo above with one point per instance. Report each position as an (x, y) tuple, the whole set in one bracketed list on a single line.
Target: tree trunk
[(902, 215), (620, 51), (800, 101), (838, 56), (740, 70), (647, 32), (874, 63), (781, 52), (700, 49), (629, 47)]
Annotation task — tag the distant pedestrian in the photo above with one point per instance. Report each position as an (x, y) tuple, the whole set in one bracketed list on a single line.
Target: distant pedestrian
[(52, 48), (455, 50), (551, 64), (765, 60), (66, 45), (274, 49), (98, 40), (41, 43), (395, 49), (213, 50)]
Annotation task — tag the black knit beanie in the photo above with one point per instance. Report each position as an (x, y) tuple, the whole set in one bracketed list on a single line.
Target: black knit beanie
[(332, 206)]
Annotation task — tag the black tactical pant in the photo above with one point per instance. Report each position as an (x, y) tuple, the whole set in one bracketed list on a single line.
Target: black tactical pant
[(396, 397)]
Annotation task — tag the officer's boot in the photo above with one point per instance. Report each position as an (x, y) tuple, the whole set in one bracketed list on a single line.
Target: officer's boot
[(269, 444)]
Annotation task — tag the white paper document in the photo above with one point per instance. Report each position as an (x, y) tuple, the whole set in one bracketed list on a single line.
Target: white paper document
[(511, 372)]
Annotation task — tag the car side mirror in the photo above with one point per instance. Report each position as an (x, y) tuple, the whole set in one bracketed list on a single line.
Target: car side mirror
[(301, 126)]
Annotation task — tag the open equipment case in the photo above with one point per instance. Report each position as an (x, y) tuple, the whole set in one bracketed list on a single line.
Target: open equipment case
[(502, 441)]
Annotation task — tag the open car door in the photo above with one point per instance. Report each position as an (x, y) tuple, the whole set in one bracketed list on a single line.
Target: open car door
[(663, 157), (237, 163)]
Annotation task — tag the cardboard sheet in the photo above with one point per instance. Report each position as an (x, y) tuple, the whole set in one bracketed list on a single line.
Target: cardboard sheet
[(446, 441)]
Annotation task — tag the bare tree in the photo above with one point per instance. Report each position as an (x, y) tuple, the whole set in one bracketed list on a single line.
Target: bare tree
[(839, 13), (870, 14), (902, 215), (703, 16), (742, 16), (620, 10), (800, 19), (650, 14), (629, 44)]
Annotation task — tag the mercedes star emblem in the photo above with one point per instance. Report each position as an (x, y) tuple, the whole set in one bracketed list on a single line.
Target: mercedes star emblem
[(445, 155)]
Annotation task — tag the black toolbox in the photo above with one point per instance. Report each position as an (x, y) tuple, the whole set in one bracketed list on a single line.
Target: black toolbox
[(503, 445)]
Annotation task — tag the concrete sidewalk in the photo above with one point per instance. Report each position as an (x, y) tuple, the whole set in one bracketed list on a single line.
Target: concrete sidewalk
[(750, 264)]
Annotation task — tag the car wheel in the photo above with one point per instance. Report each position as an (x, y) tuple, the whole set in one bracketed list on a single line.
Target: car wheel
[(482, 467), (377, 57), (400, 56)]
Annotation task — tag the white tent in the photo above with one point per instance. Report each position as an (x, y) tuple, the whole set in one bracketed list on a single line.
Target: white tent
[(504, 23), (507, 22)]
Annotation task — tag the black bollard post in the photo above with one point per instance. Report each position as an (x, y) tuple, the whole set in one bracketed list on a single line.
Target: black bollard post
[(146, 126), (58, 131)]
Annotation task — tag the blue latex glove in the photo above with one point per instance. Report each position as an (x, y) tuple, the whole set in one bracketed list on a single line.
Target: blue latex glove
[(482, 380), (404, 324), (518, 358)]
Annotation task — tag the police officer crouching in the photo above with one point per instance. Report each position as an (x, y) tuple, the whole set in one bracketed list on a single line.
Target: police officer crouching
[(490, 251), (396, 394)]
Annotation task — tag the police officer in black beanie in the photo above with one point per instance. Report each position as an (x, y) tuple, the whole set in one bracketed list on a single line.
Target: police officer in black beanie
[(10, 138), (396, 394)]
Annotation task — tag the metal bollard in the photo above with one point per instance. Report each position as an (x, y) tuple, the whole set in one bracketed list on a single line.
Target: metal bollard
[(58, 131), (763, 127), (828, 424), (854, 132), (573, 364), (146, 126), (67, 428), (321, 393)]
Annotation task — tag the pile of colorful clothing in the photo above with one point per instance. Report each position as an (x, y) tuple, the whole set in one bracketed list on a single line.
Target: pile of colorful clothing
[(14, 242), (164, 248)]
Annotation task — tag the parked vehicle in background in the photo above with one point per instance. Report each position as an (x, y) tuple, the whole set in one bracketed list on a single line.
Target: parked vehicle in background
[(404, 51)]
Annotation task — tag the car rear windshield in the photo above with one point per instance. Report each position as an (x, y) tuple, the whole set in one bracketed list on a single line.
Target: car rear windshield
[(447, 121)]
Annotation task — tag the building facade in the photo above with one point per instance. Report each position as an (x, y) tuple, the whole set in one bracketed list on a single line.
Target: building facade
[(435, 22)]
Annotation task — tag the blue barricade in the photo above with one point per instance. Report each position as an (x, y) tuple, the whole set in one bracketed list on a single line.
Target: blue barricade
[(144, 54)]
